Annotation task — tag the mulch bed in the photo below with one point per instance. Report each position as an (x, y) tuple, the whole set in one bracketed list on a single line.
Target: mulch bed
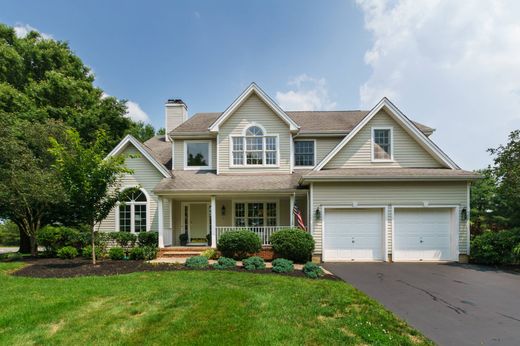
[(58, 268)]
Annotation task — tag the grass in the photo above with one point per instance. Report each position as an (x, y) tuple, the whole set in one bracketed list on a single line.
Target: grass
[(193, 307)]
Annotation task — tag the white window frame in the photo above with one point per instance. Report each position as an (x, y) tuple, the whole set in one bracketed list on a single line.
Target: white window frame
[(294, 153), (210, 151), (132, 212), (264, 150), (264, 201), (372, 143)]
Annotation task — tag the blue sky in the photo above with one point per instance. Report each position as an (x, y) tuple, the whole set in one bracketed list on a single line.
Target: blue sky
[(452, 65)]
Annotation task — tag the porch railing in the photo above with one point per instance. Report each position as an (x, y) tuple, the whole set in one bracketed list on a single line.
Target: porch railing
[(264, 232)]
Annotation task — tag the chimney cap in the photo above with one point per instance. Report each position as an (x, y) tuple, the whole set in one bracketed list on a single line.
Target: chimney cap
[(176, 102)]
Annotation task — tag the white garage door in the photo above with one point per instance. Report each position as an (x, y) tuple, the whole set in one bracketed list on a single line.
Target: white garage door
[(423, 234), (353, 235)]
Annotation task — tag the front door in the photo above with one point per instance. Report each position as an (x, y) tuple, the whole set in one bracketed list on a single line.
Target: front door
[(198, 222)]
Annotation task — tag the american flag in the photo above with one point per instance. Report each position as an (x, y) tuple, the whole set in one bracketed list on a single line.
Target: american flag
[(298, 214)]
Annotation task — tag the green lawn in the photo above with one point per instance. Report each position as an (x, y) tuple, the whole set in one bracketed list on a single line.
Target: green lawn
[(192, 307)]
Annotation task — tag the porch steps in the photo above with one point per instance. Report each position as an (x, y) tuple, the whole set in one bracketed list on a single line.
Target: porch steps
[(181, 251)]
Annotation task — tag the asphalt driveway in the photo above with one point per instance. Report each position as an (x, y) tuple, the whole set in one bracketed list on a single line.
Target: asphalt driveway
[(451, 304)]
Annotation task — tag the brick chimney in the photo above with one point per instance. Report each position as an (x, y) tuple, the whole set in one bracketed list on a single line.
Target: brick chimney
[(176, 112)]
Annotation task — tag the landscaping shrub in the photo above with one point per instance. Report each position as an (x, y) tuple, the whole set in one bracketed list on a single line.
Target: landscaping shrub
[(282, 265), (239, 244), (148, 239), (197, 262), (225, 263), (312, 270), (116, 253), (87, 252), (209, 253), (11, 257), (150, 252), (137, 253), (293, 244), (54, 238), (253, 263), (67, 252), (9, 234), (496, 247), (124, 239)]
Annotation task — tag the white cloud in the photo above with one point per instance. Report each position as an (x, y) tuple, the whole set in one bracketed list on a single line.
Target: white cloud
[(307, 94), (135, 112), (21, 30), (453, 65)]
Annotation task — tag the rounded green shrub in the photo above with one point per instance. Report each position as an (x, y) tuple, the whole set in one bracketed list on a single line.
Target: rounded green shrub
[(87, 252), (253, 263), (282, 265), (124, 239), (150, 252), (67, 252), (197, 262), (116, 253), (148, 239), (137, 253), (54, 238), (239, 244), (225, 263), (209, 253), (312, 270), (496, 247), (293, 244)]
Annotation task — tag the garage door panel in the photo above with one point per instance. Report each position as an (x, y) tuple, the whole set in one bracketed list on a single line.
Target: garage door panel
[(353, 234), (422, 234)]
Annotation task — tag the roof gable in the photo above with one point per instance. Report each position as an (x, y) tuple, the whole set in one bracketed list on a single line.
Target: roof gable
[(404, 122), (253, 89), (129, 139)]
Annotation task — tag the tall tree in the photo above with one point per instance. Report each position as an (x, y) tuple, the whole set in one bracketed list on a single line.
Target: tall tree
[(30, 192), (90, 180), (142, 131)]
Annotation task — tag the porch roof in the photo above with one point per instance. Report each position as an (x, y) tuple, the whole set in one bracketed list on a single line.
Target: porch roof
[(209, 181)]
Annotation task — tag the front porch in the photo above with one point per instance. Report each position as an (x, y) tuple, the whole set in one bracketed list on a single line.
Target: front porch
[(200, 220)]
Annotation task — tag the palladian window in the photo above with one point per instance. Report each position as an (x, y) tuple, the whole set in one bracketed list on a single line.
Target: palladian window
[(255, 148)]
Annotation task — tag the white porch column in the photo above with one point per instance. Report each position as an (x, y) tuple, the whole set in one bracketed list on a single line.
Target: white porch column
[(213, 222), (291, 207), (161, 222)]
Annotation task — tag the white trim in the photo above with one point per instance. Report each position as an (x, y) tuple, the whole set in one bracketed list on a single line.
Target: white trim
[(468, 221), (256, 200), (407, 124), (213, 218), (161, 222), (244, 159), (292, 200), (291, 153), (173, 154), (185, 154), (455, 228), (384, 237), (132, 210), (315, 151), (131, 139), (217, 148), (372, 143), (253, 88), (311, 213), (253, 124)]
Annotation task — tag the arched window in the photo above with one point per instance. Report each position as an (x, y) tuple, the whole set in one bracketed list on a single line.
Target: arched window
[(132, 213), (255, 148)]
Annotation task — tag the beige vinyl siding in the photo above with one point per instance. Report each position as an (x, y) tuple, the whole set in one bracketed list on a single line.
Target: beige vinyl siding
[(389, 194), (254, 110), (358, 151), (324, 145), (178, 153), (147, 177)]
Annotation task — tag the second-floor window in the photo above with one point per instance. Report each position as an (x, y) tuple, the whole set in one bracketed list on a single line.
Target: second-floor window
[(304, 153), (198, 154), (255, 148), (382, 144)]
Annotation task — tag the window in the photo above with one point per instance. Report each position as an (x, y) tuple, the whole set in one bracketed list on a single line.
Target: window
[(255, 148), (132, 213), (382, 144), (198, 155), (304, 153), (255, 214)]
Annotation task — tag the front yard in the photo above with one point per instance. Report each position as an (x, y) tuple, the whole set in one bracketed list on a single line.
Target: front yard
[(192, 307)]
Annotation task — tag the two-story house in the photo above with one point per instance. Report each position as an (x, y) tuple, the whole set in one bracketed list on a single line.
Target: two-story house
[(370, 185)]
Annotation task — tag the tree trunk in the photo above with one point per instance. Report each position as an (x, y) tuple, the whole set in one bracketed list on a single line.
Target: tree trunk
[(34, 246), (93, 245), (25, 242)]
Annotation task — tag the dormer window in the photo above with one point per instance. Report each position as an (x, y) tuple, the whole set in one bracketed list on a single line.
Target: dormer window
[(254, 148), (197, 154), (382, 144)]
